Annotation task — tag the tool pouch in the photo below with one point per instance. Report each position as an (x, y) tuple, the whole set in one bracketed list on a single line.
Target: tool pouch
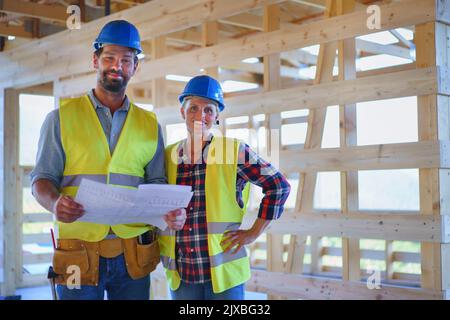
[(141, 259), (76, 262)]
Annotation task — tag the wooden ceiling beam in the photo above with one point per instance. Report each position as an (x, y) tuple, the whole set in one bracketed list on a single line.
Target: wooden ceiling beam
[(16, 31), (318, 4)]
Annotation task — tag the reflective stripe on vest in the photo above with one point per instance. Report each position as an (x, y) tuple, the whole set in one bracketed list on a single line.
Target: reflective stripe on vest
[(222, 214), (88, 156), (114, 178)]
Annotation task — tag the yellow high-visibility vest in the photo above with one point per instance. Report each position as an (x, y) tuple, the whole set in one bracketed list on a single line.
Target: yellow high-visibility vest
[(88, 156), (222, 214)]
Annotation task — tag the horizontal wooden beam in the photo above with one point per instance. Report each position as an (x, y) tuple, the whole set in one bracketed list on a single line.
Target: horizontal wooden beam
[(384, 86), (33, 280), (375, 87), (16, 31), (244, 20), (41, 238), (30, 258), (422, 154), (258, 68), (318, 4), (296, 286), (407, 227), (389, 49), (37, 217), (54, 12), (407, 257)]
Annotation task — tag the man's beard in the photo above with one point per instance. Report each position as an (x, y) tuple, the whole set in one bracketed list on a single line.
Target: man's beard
[(113, 85)]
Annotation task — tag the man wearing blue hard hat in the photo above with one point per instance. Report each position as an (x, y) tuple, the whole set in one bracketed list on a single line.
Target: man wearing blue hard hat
[(104, 137), (206, 259)]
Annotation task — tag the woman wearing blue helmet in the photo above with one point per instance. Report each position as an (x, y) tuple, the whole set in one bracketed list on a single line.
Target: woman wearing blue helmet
[(206, 259)]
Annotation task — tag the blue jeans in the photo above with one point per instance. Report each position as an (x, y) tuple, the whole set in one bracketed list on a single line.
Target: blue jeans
[(204, 291), (114, 279)]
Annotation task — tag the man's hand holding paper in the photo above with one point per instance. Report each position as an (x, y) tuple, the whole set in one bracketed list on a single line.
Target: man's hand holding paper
[(157, 204)]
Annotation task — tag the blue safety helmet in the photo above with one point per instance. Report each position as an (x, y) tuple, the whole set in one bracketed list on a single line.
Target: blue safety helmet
[(119, 32), (205, 87)]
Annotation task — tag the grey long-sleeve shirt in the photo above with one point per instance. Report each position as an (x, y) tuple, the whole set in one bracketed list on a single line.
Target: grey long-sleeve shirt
[(50, 158)]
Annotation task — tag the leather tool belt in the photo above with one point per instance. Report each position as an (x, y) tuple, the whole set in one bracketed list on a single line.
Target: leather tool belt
[(141, 259)]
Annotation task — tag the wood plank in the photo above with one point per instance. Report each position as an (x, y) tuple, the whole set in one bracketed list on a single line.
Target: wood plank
[(348, 137), (29, 258), (41, 238), (428, 45), (445, 254), (2, 188), (399, 278), (386, 86), (271, 81), (11, 190), (406, 257), (19, 206), (37, 217), (308, 287), (16, 31), (34, 280), (250, 103), (389, 49), (359, 225), (314, 133), (53, 12), (389, 259), (210, 37), (423, 154), (245, 20), (258, 68)]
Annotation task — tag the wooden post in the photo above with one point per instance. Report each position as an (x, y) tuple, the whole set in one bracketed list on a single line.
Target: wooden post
[(10, 185), (316, 123), (271, 22), (348, 137), (306, 183), (210, 37), (159, 89), (432, 43)]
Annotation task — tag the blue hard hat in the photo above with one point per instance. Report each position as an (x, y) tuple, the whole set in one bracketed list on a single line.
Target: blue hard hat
[(205, 87), (119, 32)]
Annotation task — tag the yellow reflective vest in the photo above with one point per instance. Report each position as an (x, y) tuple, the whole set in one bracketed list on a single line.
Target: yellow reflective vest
[(88, 156), (222, 214)]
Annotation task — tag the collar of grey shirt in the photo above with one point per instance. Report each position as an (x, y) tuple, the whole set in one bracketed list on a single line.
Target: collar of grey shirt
[(97, 104)]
